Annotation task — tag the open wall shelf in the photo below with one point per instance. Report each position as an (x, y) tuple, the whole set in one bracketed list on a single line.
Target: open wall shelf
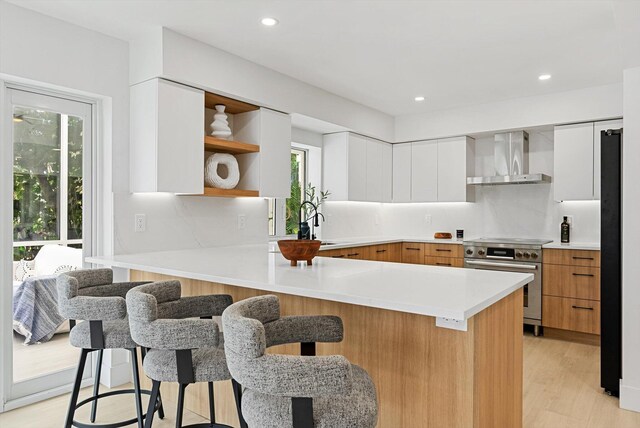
[(233, 106), (214, 144), (230, 193)]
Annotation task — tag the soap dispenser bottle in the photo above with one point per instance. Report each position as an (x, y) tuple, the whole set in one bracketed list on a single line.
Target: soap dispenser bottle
[(565, 231)]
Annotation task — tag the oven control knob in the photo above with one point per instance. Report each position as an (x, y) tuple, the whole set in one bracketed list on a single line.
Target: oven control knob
[(481, 252), (519, 255), (534, 255), (527, 255), (469, 251)]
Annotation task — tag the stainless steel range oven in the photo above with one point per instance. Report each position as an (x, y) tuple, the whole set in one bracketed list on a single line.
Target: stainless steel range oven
[(512, 255)]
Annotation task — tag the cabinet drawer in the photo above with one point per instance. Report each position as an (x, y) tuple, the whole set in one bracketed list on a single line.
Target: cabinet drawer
[(380, 253), (571, 314), (571, 281), (443, 250), (571, 257), (412, 252), (328, 253), (443, 261)]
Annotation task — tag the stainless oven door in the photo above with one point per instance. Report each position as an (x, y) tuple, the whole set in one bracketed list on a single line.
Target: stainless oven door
[(532, 291)]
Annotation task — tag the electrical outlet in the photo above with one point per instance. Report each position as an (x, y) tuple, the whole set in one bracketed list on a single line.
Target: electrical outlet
[(427, 218), (570, 220), (376, 220), (140, 222), (242, 221)]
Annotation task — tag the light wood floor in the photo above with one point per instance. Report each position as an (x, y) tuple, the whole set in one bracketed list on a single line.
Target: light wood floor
[(561, 390), (49, 357), (51, 413)]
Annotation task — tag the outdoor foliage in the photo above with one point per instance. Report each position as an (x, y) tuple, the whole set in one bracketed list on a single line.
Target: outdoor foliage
[(36, 178)]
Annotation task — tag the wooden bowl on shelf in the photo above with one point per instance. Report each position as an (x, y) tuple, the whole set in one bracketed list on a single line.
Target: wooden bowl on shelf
[(299, 249)]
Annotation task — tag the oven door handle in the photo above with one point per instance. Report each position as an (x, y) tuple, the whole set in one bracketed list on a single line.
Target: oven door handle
[(502, 265)]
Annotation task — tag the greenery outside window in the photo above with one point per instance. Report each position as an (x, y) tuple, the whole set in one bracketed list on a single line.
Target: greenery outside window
[(47, 180), (287, 209)]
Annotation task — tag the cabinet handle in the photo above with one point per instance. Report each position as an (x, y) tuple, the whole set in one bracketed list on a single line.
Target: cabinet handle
[(582, 307), (353, 254), (413, 249), (381, 251), (438, 249), (582, 258), (443, 264), (583, 274), (338, 257)]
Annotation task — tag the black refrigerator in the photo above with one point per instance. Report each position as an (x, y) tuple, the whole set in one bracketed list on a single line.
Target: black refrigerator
[(611, 261)]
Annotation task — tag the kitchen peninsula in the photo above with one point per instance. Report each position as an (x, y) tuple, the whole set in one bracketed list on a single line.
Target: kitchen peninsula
[(443, 346)]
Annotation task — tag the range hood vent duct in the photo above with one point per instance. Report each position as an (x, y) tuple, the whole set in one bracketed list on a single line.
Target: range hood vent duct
[(511, 162)]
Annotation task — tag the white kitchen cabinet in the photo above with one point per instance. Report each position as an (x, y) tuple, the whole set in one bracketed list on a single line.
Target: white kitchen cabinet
[(387, 172), (573, 169), (576, 160), (167, 138), (356, 168), (424, 171), (402, 172), (597, 128), (270, 169), (374, 171), (456, 162)]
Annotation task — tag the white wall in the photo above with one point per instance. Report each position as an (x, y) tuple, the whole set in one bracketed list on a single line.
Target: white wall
[(598, 103), (524, 211), (195, 63), (630, 385), (304, 136), (48, 51)]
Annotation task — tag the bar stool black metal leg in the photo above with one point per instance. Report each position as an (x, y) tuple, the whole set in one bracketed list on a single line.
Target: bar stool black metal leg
[(143, 352), (136, 386), (155, 390), (237, 393), (76, 388), (96, 386), (212, 404), (180, 407)]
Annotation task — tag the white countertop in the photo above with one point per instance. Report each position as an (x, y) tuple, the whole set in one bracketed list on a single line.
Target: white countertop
[(594, 246), (427, 290)]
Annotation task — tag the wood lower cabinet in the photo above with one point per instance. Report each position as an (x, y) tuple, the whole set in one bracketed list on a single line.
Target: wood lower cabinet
[(587, 258), (571, 281), (444, 261), (413, 252), (571, 314), (385, 253), (405, 252), (359, 253), (571, 290)]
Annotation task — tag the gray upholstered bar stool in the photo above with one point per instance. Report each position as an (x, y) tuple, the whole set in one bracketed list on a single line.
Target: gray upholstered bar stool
[(284, 391), (181, 350), (92, 297)]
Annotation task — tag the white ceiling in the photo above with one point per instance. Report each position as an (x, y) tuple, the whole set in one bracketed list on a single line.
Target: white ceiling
[(383, 53)]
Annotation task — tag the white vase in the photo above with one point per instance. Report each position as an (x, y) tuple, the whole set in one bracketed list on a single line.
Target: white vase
[(220, 125)]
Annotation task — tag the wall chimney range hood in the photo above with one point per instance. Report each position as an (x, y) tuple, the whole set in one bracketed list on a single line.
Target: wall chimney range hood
[(511, 161)]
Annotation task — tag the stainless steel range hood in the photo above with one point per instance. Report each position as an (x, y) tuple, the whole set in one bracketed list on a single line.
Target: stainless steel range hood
[(511, 161)]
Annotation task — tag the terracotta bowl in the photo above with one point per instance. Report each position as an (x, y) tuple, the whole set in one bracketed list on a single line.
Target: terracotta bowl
[(299, 249)]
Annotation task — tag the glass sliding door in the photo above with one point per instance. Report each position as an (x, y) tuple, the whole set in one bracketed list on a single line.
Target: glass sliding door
[(51, 140)]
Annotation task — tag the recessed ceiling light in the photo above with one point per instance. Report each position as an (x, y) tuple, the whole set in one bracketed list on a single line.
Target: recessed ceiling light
[(544, 77), (419, 99), (269, 22)]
